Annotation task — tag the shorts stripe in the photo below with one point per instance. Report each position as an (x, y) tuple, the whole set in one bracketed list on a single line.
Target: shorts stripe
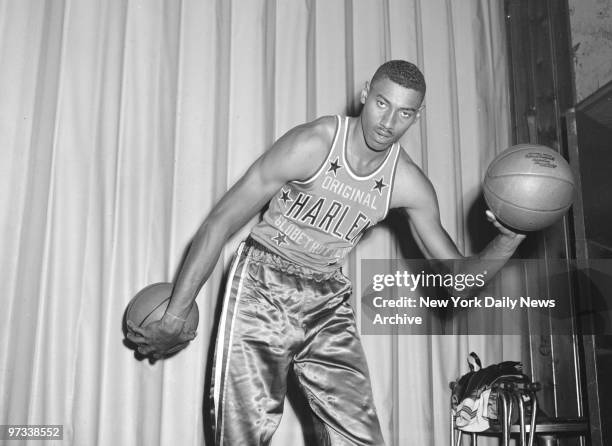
[(224, 339)]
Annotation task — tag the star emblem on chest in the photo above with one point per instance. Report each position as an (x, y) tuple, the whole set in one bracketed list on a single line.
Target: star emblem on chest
[(285, 196), (334, 166), (379, 185), (280, 239)]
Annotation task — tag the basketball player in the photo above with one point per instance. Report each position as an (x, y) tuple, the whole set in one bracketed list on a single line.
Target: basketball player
[(287, 302)]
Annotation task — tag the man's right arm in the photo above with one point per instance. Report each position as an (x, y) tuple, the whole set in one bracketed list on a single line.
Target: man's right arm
[(295, 156)]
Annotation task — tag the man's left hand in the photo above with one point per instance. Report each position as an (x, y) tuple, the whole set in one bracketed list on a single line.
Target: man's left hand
[(509, 238)]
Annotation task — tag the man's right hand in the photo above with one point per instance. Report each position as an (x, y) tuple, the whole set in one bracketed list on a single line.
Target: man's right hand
[(159, 339)]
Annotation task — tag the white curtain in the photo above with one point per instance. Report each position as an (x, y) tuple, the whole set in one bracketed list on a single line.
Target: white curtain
[(121, 124)]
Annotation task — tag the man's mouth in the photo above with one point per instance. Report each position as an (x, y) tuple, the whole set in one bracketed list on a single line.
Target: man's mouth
[(382, 133)]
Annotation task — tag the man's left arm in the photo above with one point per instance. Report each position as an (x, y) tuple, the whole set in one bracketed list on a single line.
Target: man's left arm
[(416, 199)]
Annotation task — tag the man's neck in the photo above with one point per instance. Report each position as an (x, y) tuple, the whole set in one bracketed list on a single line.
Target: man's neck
[(362, 157)]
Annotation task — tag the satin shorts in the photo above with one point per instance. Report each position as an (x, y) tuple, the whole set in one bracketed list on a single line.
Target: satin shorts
[(278, 316)]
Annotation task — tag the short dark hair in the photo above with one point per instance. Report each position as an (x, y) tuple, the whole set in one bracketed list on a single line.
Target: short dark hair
[(403, 73)]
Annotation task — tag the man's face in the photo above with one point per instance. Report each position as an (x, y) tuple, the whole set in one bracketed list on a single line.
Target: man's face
[(389, 110)]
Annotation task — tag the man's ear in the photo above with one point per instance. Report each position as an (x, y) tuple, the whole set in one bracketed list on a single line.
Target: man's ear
[(364, 92), (418, 113)]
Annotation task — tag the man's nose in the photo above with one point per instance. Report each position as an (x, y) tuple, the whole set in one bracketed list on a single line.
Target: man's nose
[(387, 119)]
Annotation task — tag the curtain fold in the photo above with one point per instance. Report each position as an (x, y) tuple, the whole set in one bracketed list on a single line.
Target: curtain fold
[(123, 122)]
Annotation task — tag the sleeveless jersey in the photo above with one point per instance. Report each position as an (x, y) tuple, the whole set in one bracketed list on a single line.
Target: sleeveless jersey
[(316, 222)]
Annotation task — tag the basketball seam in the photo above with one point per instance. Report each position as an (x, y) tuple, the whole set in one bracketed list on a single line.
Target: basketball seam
[(521, 207), (536, 175), (153, 310), (506, 155)]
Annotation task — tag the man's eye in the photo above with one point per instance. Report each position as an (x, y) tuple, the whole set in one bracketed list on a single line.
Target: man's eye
[(407, 114), (380, 103)]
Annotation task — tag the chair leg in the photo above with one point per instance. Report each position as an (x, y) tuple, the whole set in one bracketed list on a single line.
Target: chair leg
[(505, 424), (521, 405), (534, 411), (459, 435), (502, 419)]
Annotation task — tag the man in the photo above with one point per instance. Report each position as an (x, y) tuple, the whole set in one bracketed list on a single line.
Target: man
[(286, 304)]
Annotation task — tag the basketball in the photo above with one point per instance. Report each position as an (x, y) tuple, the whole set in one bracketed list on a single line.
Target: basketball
[(528, 187), (150, 304)]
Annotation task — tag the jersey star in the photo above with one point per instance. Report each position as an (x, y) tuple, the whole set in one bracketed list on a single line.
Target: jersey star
[(280, 238), (380, 185), (285, 197), (333, 167)]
